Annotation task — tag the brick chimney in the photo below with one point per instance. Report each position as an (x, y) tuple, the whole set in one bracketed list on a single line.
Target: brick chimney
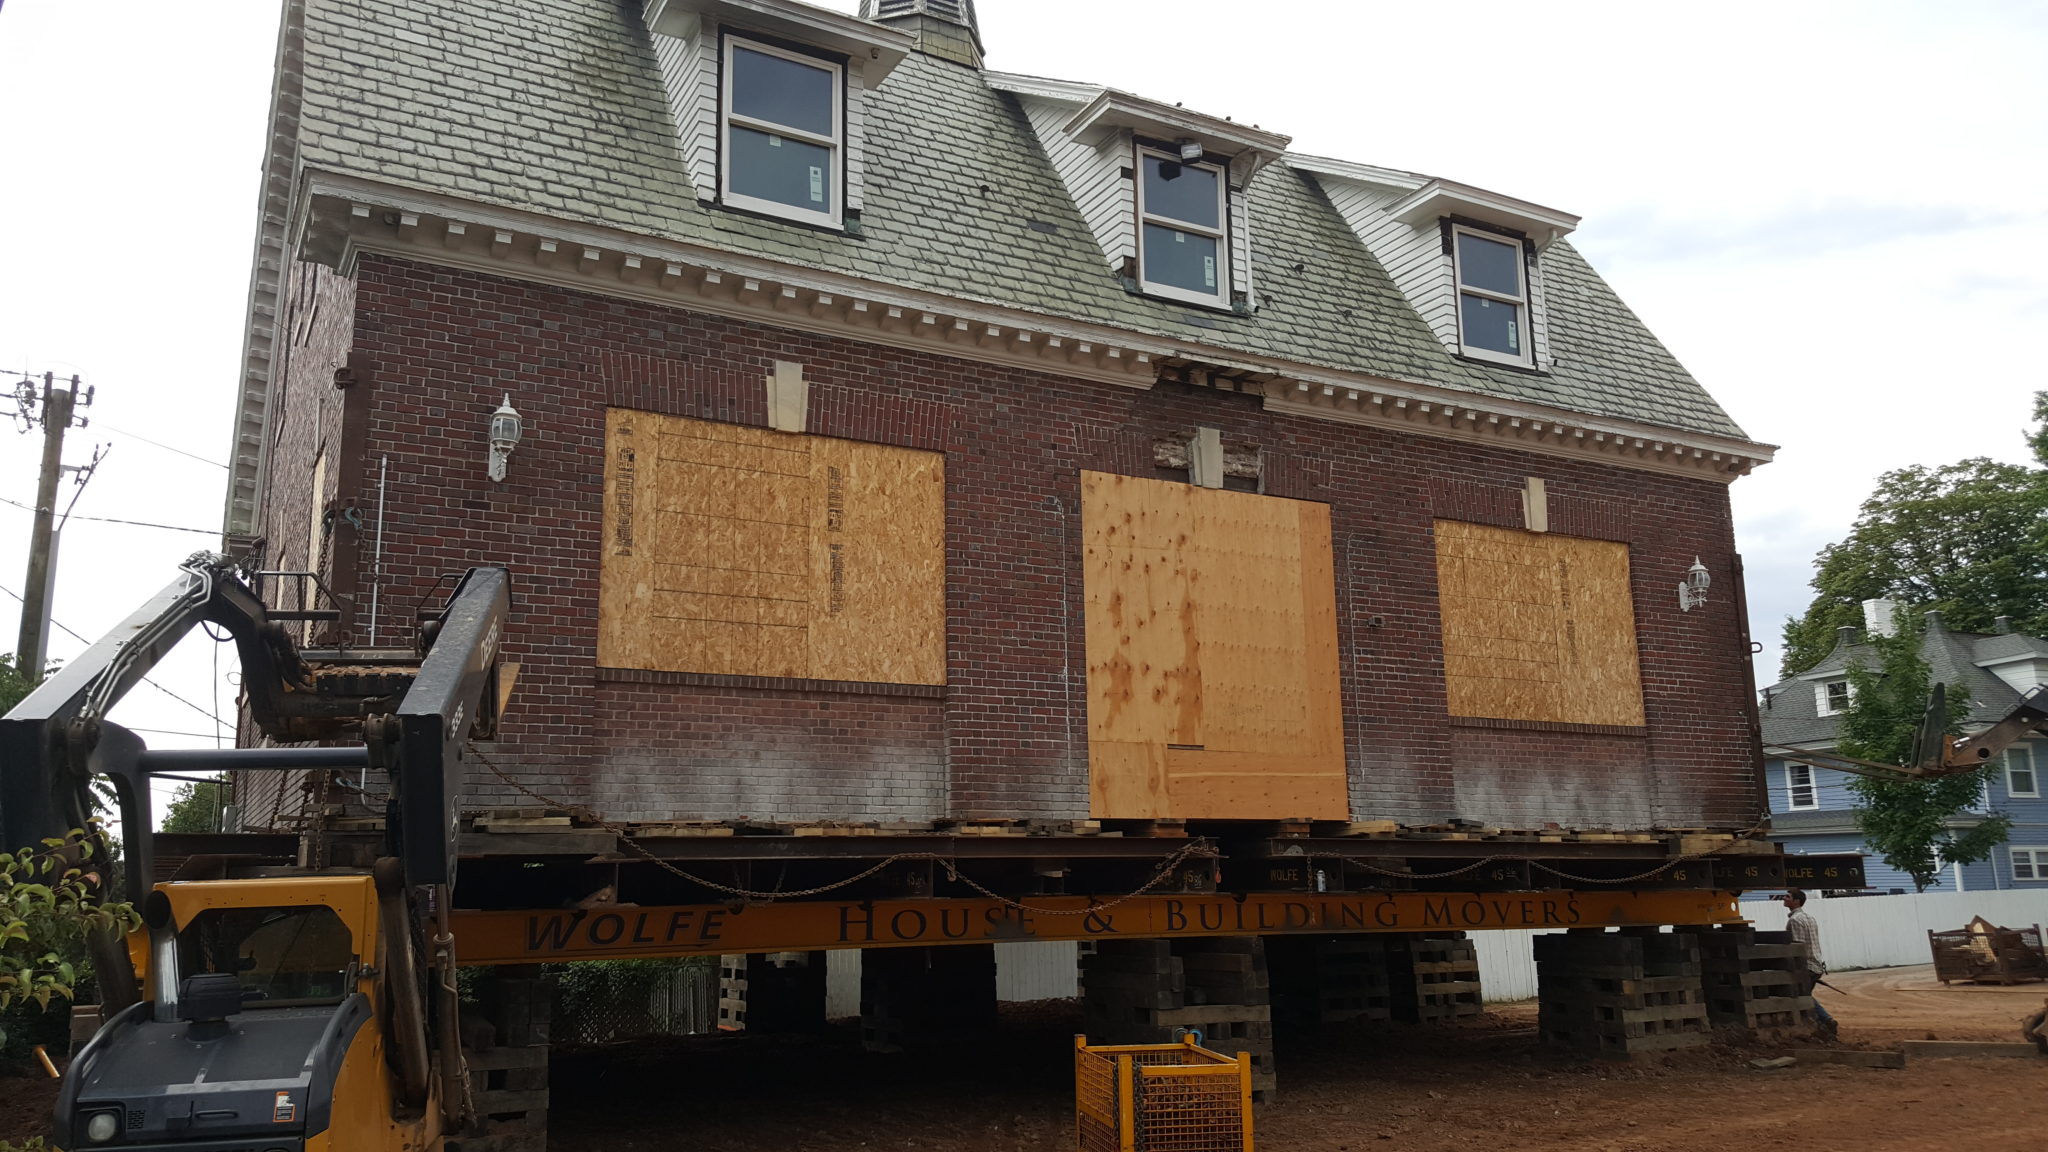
[(944, 28)]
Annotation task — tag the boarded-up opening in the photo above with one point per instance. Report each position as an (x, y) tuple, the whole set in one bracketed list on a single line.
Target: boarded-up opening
[(1537, 626), (1212, 654), (741, 551)]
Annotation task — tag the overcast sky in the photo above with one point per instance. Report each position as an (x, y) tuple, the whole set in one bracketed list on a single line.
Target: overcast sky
[(1833, 213)]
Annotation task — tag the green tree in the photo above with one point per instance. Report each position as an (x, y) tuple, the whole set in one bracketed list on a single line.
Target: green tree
[(194, 807), (14, 687), (1908, 821), (48, 904), (1969, 538)]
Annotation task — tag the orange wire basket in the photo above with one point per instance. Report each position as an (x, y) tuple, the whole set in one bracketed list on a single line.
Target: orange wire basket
[(1161, 1098)]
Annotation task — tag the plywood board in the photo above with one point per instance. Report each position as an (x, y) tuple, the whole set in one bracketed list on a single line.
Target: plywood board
[(742, 551), (1212, 654), (1537, 626)]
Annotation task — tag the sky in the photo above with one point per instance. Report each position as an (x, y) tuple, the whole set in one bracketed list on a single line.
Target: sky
[(1831, 212)]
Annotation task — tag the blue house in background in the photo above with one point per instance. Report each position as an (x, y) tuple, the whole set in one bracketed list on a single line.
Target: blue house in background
[(1811, 807)]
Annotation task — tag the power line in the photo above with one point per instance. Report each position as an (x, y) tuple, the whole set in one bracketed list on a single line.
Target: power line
[(130, 523), (145, 679), (104, 426), (173, 732)]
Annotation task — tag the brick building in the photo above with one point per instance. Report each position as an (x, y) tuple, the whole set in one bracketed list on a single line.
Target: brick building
[(906, 441)]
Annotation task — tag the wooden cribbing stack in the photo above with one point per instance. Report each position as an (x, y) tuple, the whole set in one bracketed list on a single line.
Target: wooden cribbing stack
[(1434, 979), (1144, 991), (1752, 980), (1330, 980), (508, 1063), (1619, 995)]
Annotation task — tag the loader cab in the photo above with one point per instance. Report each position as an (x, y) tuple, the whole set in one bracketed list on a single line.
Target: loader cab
[(261, 1011)]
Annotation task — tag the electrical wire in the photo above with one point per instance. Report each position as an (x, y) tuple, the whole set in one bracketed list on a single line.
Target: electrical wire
[(112, 520), (146, 680), (101, 424)]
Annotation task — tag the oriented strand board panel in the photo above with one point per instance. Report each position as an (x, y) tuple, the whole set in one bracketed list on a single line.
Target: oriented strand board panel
[(1537, 626), (746, 552), (1212, 654)]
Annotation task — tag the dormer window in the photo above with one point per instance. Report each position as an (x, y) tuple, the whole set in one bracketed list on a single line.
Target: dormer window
[(782, 135), (1493, 297), (1833, 697), (1182, 217)]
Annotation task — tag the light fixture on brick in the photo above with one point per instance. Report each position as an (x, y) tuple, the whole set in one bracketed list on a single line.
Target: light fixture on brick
[(1692, 591), (505, 429)]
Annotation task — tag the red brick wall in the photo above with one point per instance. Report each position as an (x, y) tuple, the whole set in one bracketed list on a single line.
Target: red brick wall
[(1006, 737), (307, 418)]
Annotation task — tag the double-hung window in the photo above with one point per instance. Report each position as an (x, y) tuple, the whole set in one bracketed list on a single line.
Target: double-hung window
[(783, 133), (1183, 247), (1493, 297), (2020, 780), (2030, 863), (1800, 792), (1833, 697)]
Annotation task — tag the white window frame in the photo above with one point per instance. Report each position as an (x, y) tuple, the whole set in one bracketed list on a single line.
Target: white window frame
[(1820, 697), (1812, 787), (2033, 770), (1221, 297), (2037, 861), (1526, 301), (836, 143)]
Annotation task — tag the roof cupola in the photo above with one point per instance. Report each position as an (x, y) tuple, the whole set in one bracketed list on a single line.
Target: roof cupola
[(944, 28)]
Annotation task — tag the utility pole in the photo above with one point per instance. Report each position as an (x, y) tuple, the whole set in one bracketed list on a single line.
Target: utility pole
[(56, 413)]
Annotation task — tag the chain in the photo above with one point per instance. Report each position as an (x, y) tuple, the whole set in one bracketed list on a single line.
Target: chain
[(1192, 849), (1197, 848)]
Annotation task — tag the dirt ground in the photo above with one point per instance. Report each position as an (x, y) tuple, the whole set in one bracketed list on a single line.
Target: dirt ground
[(1418, 1090), (1413, 1089)]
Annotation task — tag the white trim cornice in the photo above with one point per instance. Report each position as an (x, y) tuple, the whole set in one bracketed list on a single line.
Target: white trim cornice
[(878, 47), (350, 216)]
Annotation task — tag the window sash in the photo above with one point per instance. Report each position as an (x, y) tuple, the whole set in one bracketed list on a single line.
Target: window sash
[(1219, 234), (2034, 860), (2020, 761), (1798, 781), (1525, 309), (834, 144)]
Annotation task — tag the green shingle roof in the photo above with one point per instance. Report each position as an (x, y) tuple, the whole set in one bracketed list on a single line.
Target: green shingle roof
[(558, 108)]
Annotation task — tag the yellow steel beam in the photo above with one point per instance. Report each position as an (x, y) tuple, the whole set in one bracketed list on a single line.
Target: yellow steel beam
[(529, 936)]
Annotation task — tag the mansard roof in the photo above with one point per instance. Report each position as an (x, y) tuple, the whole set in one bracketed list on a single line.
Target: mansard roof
[(558, 109)]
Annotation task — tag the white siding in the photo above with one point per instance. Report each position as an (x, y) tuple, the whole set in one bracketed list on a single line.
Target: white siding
[(1093, 176), (856, 136), (1241, 247), (1415, 258), (689, 72)]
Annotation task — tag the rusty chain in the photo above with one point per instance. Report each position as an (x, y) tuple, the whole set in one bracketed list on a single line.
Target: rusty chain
[(1198, 848)]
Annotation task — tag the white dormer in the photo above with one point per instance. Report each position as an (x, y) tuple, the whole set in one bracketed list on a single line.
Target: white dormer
[(1162, 188), (770, 99), (1468, 260)]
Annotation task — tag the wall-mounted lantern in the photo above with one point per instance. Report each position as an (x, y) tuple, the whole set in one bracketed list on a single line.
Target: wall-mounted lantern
[(505, 429), (1692, 591)]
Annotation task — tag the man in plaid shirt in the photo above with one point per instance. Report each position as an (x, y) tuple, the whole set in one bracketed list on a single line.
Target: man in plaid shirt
[(1806, 930)]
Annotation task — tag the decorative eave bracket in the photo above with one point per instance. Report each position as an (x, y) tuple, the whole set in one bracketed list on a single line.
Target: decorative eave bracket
[(349, 217)]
